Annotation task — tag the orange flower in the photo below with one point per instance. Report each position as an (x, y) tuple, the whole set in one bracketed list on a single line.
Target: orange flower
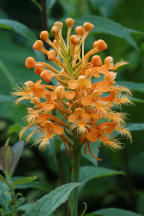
[(86, 109)]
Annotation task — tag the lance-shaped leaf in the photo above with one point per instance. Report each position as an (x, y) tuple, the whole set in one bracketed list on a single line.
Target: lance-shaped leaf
[(108, 26), (113, 212), (17, 149), (90, 172), (23, 180), (18, 28), (50, 202), (5, 196), (6, 158)]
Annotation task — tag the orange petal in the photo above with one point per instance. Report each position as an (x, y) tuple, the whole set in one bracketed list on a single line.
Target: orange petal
[(85, 116), (69, 95), (72, 118), (73, 84), (84, 83), (58, 129), (86, 100), (92, 135)]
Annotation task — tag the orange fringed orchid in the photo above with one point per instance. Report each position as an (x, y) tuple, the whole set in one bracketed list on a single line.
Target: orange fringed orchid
[(86, 109)]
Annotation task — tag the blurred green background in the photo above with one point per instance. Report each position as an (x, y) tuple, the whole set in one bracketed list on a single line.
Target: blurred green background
[(125, 38)]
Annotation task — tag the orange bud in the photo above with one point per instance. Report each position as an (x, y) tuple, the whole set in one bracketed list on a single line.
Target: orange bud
[(88, 26), (100, 45), (38, 45), (30, 62), (44, 35), (46, 75), (55, 30), (69, 22), (59, 24), (38, 69), (79, 30), (96, 61), (74, 39), (51, 55)]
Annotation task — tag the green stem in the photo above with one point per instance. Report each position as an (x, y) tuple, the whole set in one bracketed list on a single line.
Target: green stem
[(75, 178), (13, 196)]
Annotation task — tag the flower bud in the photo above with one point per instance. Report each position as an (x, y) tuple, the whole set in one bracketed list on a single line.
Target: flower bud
[(55, 30), (51, 55), (44, 35), (88, 26), (59, 24), (38, 45), (38, 69), (74, 39), (96, 61), (30, 62), (100, 45), (79, 30), (69, 22), (46, 75)]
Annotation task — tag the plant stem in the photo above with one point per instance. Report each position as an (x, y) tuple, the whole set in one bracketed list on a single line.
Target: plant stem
[(75, 177), (13, 196), (44, 15)]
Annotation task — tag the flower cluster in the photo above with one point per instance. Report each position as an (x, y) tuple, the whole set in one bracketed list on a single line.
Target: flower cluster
[(76, 106)]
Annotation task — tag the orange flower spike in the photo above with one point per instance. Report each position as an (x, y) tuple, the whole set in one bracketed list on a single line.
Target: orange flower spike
[(82, 104)]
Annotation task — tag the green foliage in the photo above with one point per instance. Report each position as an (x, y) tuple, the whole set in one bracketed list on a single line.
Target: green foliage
[(105, 25), (88, 173), (24, 180), (113, 212), (18, 28), (17, 150), (5, 195), (6, 159), (49, 203)]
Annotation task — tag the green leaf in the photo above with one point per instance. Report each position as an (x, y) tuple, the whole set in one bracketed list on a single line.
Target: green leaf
[(5, 196), (95, 150), (88, 173), (50, 202), (17, 149), (108, 26), (24, 180), (113, 212), (132, 85), (6, 98), (26, 207), (18, 28), (2, 179), (6, 158), (106, 7), (39, 185), (7, 74), (37, 4), (137, 100), (135, 126)]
